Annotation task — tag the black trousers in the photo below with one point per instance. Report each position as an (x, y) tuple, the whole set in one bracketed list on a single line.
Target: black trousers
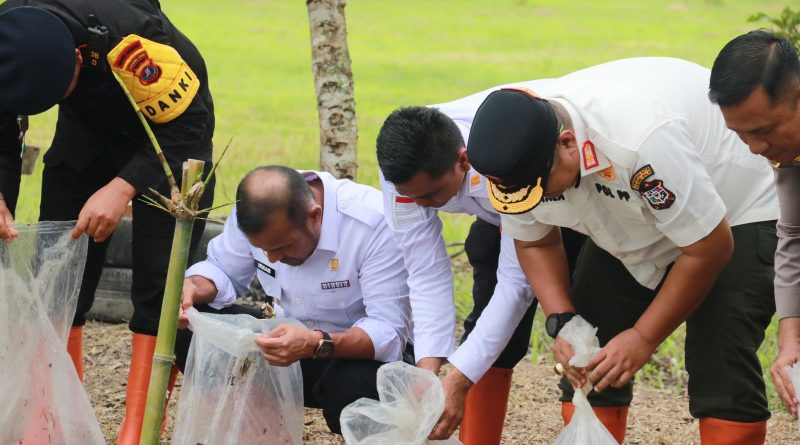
[(722, 336), (65, 191), (482, 247)]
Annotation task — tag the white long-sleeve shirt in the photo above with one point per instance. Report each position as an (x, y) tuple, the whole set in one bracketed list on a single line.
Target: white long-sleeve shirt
[(354, 278), (418, 232)]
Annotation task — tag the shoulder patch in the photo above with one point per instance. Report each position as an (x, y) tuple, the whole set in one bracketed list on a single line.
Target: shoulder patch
[(159, 80), (405, 211), (589, 156), (658, 195), (640, 175)]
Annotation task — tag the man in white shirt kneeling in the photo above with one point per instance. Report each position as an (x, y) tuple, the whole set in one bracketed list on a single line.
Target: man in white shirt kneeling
[(322, 251)]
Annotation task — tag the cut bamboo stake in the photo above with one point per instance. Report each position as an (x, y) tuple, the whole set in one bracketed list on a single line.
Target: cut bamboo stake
[(164, 355), (182, 205)]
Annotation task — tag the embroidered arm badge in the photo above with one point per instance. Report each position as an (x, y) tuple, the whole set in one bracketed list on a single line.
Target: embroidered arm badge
[(159, 80), (659, 196)]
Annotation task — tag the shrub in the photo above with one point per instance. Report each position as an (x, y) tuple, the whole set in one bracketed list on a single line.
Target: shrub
[(787, 24)]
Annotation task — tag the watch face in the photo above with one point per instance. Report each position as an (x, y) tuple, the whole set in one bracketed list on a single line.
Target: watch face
[(551, 325), (325, 349)]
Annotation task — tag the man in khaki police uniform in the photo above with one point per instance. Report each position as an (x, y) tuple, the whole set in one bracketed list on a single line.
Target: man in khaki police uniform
[(633, 154), (756, 82)]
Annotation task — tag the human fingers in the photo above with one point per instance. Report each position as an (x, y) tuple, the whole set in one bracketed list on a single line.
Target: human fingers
[(783, 384), (80, 226), (445, 427)]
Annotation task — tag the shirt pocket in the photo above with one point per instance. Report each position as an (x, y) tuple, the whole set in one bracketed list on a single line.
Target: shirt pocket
[(342, 296)]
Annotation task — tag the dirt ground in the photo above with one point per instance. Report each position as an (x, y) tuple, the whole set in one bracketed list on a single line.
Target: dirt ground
[(656, 417)]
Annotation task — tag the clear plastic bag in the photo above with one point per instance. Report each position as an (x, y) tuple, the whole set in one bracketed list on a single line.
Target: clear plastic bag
[(43, 399), (411, 401), (584, 428), (794, 374), (230, 394)]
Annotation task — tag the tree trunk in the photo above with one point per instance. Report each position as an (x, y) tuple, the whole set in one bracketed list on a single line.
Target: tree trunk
[(333, 80)]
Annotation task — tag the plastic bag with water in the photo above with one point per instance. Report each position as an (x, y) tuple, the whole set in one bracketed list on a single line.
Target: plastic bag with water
[(230, 394), (411, 401), (43, 401)]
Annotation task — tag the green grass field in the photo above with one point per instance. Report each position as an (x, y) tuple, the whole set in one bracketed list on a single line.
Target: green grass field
[(418, 52)]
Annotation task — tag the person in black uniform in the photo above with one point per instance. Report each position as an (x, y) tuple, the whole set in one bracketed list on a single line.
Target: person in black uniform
[(64, 51)]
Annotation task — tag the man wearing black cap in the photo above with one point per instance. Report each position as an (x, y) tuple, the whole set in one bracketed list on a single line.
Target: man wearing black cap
[(633, 154), (64, 52)]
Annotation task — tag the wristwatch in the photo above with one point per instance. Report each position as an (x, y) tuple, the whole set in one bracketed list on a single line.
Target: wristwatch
[(555, 322), (325, 347)]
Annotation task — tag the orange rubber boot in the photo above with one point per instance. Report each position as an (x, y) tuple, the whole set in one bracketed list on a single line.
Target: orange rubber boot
[(725, 432), (173, 375), (485, 408), (143, 347), (75, 349), (614, 418)]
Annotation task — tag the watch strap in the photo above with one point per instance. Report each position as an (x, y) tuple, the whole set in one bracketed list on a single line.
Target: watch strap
[(560, 320)]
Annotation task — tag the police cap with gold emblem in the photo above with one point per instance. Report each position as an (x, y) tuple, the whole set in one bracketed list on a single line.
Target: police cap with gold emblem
[(512, 142), (37, 60)]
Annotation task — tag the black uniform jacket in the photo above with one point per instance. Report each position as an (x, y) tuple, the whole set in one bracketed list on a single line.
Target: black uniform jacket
[(97, 116)]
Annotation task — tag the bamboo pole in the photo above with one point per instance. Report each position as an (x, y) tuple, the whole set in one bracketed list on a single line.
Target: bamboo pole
[(183, 206), (164, 355)]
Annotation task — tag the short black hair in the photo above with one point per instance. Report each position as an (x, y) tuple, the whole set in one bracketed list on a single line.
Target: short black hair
[(756, 59), (414, 139), (269, 191)]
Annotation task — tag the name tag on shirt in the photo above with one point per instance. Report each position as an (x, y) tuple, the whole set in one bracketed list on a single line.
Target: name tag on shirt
[(264, 268), (335, 284)]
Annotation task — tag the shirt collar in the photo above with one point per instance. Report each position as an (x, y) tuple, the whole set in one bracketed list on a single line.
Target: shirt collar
[(329, 233), (592, 159)]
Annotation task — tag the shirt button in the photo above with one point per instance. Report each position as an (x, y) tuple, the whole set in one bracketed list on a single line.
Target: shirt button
[(343, 204), (298, 301), (309, 323), (341, 304)]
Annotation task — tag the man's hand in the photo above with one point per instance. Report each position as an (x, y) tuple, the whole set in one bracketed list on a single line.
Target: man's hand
[(287, 344), (7, 230), (432, 364), (788, 355), (187, 301), (618, 361), (102, 212), (562, 353), (455, 386)]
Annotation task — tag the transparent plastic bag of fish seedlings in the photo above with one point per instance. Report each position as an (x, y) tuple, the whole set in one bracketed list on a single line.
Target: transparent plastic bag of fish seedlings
[(230, 394), (411, 402), (43, 400), (584, 428)]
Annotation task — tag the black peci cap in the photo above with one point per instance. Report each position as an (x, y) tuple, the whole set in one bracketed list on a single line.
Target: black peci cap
[(512, 141), (37, 60)]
